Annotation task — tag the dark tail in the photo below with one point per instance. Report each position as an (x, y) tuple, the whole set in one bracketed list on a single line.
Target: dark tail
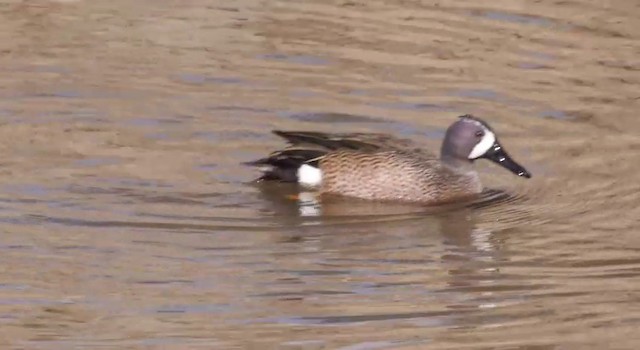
[(283, 165)]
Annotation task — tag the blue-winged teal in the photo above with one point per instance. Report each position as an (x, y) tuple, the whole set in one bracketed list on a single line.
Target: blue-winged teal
[(383, 167)]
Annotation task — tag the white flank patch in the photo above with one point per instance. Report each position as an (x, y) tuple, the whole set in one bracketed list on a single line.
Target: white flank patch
[(484, 145), (309, 175)]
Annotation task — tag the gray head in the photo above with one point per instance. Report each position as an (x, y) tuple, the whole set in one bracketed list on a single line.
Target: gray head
[(471, 138)]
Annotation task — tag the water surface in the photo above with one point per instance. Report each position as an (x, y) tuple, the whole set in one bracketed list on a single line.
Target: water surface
[(127, 220)]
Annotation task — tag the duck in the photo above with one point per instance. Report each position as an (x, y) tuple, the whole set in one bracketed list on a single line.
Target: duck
[(383, 167)]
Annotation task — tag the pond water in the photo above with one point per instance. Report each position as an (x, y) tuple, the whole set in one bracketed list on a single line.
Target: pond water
[(128, 222)]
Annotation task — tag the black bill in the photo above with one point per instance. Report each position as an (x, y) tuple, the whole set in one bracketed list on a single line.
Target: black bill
[(497, 154)]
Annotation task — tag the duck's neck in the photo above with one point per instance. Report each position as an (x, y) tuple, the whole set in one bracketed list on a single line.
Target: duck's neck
[(468, 179), (457, 164)]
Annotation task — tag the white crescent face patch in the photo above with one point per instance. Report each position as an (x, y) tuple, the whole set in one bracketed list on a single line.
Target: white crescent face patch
[(484, 145)]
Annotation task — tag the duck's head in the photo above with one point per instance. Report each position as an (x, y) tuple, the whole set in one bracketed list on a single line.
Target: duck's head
[(471, 138)]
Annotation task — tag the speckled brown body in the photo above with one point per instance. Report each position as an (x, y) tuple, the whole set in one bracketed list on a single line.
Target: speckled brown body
[(397, 175)]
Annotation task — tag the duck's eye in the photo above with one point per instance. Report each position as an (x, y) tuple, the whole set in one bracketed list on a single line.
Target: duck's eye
[(479, 133)]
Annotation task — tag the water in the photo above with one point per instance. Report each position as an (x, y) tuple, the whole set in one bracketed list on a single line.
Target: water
[(128, 222)]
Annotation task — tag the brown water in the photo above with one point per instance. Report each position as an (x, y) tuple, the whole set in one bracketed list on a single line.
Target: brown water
[(127, 221)]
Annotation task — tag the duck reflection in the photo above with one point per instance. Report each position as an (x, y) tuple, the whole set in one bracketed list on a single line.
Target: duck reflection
[(387, 255), (456, 224)]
